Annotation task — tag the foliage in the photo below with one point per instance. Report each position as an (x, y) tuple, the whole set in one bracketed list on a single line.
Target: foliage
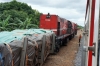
[(4, 24), (17, 15), (80, 27)]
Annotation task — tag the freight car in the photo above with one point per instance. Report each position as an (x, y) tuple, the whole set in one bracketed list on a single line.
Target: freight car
[(64, 29), (31, 45)]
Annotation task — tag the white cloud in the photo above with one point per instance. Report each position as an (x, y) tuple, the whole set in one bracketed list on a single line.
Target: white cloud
[(70, 14), (79, 21), (73, 10), (2, 1)]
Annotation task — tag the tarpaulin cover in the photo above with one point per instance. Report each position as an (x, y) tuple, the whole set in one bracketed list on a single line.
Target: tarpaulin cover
[(38, 36), (12, 42), (16, 47), (5, 55)]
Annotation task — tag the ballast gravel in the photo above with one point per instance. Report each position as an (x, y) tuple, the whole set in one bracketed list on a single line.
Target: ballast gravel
[(67, 56)]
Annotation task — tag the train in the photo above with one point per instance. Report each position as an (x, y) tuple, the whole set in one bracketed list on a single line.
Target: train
[(31, 47), (64, 29)]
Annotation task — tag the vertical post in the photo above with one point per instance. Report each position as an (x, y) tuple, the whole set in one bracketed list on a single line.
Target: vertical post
[(98, 59), (23, 53), (43, 49), (98, 46), (53, 44), (84, 51), (91, 33)]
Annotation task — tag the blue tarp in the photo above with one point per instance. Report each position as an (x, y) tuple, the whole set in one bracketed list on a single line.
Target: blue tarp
[(6, 37)]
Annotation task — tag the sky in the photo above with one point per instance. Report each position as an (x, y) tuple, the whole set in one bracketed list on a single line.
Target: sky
[(73, 10)]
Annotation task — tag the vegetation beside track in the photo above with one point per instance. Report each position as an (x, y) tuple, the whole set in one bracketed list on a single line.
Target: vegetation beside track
[(17, 15)]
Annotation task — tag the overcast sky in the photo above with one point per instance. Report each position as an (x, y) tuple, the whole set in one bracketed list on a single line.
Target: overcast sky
[(73, 10)]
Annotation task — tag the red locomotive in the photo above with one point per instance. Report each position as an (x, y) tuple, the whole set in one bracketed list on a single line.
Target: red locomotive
[(64, 29)]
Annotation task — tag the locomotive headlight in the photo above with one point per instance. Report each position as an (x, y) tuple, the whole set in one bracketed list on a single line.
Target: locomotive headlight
[(48, 16)]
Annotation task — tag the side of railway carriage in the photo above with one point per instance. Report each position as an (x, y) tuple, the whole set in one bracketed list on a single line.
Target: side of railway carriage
[(91, 35)]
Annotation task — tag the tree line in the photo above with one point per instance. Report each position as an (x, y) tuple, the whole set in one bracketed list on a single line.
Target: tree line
[(17, 15)]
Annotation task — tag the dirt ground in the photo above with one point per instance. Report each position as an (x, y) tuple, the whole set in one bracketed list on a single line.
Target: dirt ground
[(66, 54)]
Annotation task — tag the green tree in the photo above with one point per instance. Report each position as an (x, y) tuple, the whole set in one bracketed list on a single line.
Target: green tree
[(21, 15), (4, 24)]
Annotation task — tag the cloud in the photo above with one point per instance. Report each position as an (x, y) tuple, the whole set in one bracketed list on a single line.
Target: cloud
[(79, 5), (73, 10), (70, 14)]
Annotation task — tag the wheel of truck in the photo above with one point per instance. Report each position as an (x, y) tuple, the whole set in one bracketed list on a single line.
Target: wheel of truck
[(56, 51), (65, 41), (57, 47), (61, 42), (73, 35), (70, 37), (38, 64)]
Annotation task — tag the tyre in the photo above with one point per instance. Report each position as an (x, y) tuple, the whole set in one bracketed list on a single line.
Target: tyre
[(57, 47), (65, 41)]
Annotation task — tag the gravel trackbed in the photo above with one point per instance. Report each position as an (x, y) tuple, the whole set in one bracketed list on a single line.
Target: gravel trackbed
[(66, 55)]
